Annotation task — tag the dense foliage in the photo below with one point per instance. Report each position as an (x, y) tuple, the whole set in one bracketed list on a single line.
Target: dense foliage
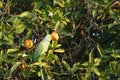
[(88, 48)]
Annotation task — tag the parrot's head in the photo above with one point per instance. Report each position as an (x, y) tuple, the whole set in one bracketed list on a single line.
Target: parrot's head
[(48, 38)]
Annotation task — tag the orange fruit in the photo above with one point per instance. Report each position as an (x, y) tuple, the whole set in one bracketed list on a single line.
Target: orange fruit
[(55, 36), (24, 65), (118, 3), (28, 43)]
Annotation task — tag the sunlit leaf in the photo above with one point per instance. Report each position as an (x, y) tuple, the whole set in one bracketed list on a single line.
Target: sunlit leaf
[(59, 50), (57, 26), (20, 28), (12, 19), (1, 55), (91, 56), (94, 13), (100, 50), (58, 45), (67, 20), (12, 50), (98, 17), (96, 71), (41, 64), (52, 56), (9, 38), (66, 65), (42, 74), (25, 14), (15, 67), (39, 11), (61, 4), (1, 4), (39, 73), (85, 64), (97, 61), (115, 55)]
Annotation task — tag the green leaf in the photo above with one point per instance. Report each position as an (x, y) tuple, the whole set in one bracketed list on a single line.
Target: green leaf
[(20, 28), (1, 35), (13, 19), (9, 39), (14, 67), (100, 50), (67, 19), (41, 64), (37, 6), (91, 57), (42, 74), (97, 61), (115, 55), (1, 4), (12, 50), (66, 65), (61, 4), (28, 73), (29, 34), (39, 73), (94, 13), (96, 71), (39, 11), (85, 64), (25, 14), (57, 26), (58, 45), (18, 25), (59, 50), (52, 56), (76, 67), (1, 55), (114, 16), (114, 66)]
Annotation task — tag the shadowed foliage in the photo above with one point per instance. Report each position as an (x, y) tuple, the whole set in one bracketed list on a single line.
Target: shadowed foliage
[(88, 47)]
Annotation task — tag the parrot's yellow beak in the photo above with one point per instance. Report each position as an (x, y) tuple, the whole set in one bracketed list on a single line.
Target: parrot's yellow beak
[(55, 36)]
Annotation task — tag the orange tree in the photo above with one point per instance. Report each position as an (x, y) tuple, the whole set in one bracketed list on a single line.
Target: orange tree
[(88, 48)]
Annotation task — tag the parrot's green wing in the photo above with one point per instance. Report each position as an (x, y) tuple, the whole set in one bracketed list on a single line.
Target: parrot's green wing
[(38, 51), (42, 48)]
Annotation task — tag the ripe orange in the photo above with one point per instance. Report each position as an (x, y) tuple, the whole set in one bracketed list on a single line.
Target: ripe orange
[(24, 65), (28, 43), (118, 3), (55, 36)]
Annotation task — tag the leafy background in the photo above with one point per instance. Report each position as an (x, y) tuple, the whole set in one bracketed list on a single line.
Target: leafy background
[(88, 48)]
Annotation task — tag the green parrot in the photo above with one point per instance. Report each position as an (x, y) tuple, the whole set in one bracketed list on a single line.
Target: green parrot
[(43, 45)]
